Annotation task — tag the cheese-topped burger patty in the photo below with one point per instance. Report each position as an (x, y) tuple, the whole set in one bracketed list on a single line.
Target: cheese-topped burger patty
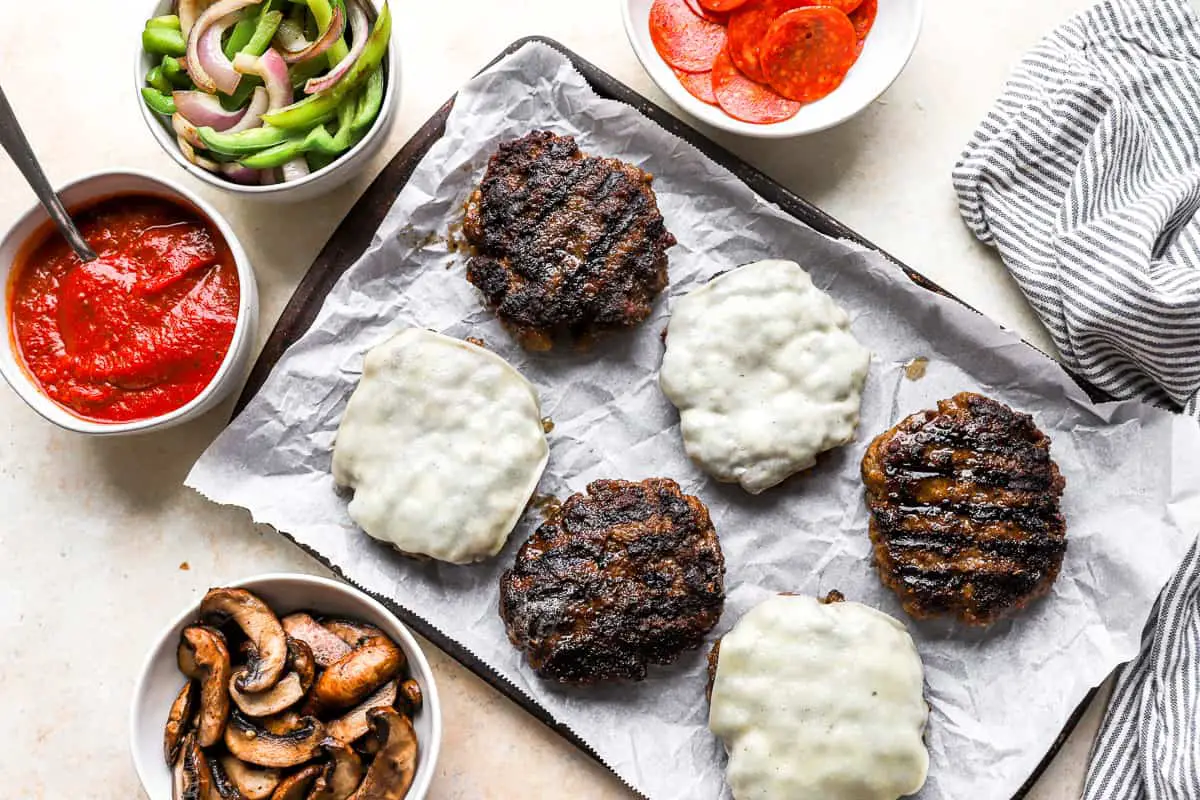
[(443, 444), (820, 701), (965, 515), (765, 372), (566, 244), (627, 575)]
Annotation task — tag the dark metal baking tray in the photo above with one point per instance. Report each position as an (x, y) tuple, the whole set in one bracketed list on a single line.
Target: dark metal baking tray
[(354, 234)]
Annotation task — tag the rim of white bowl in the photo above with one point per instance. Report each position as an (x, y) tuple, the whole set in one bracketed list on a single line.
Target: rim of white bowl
[(166, 140), (430, 698), (26, 386), (775, 130)]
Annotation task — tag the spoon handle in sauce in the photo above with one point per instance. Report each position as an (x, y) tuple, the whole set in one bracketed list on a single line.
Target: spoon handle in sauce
[(12, 138)]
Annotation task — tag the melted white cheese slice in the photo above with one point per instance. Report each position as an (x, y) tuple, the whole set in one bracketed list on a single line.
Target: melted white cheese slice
[(820, 702), (443, 444), (765, 373)]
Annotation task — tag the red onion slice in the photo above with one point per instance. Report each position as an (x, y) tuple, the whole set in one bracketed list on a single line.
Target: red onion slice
[(252, 118), (274, 72), (190, 154), (213, 71), (290, 37), (186, 132), (244, 175), (360, 29), (202, 110), (188, 11), (295, 169), (208, 67), (333, 31)]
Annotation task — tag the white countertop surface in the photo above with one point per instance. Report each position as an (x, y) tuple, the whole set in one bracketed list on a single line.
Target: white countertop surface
[(101, 543)]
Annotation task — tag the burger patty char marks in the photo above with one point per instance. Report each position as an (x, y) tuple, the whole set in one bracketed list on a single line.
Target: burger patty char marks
[(965, 516), (627, 575), (565, 243)]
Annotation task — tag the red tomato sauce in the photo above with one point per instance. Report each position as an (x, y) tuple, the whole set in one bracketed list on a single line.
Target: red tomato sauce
[(137, 333)]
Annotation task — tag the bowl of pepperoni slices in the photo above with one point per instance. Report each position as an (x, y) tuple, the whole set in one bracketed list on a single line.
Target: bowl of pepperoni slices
[(773, 68)]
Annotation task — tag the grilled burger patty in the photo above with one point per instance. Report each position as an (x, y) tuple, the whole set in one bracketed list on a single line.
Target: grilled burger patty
[(965, 516), (627, 575), (565, 243)]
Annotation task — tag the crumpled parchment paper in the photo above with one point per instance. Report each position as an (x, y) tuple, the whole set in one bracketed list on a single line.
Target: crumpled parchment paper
[(999, 697)]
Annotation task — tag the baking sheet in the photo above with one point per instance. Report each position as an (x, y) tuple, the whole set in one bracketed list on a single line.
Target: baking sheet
[(998, 697)]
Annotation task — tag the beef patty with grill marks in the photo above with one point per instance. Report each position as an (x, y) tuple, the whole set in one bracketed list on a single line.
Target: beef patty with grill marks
[(565, 244), (627, 575), (965, 517)]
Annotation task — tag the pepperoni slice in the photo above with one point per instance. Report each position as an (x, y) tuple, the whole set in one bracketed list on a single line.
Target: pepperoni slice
[(748, 27), (723, 5), (862, 18), (844, 6), (808, 52), (742, 98), (699, 84), (704, 13), (684, 40)]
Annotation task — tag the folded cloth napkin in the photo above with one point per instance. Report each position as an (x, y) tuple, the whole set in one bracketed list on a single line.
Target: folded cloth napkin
[(1085, 175)]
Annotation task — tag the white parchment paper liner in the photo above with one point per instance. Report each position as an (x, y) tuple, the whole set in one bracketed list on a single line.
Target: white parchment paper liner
[(999, 697)]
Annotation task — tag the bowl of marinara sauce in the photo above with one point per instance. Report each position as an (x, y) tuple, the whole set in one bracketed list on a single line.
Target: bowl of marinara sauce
[(156, 331)]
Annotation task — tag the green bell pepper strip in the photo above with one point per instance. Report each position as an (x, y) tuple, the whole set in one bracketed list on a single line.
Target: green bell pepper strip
[(302, 115), (318, 161), (317, 139), (220, 158), (159, 103), (170, 21), (164, 42), (321, 140), (322, 11), (239, 37), (350, 127), (252, 140), (345, 131), (175, 73), (370, 101), (317, 145), (159, 81), (244, 142), (304, 71), (264, 30), (246, 87)]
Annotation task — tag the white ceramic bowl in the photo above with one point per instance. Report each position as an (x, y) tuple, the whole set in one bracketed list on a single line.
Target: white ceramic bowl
[(885, 54), (160, 679), (349, 164), (81, 193)]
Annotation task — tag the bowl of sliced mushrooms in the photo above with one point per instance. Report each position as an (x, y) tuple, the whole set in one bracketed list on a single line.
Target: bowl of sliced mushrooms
[(286, 687)]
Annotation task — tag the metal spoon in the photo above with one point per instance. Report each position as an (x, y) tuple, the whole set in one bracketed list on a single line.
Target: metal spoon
[(12, 138)]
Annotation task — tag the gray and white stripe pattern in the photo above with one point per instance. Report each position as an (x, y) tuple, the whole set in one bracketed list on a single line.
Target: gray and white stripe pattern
[(1085, 175), (1149, 746)]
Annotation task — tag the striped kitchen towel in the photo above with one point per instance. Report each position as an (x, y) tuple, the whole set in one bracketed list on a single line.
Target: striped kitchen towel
[(1085, 175)]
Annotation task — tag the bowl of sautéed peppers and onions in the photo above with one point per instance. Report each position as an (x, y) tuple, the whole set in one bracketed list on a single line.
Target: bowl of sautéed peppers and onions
[(270, 98), (157, 330)]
